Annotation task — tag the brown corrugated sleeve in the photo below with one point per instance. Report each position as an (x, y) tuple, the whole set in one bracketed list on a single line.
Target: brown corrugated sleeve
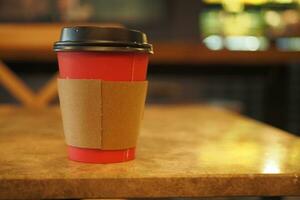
[(101, 114)]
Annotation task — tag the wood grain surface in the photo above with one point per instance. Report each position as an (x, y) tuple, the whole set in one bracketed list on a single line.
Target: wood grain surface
[(183, 151)]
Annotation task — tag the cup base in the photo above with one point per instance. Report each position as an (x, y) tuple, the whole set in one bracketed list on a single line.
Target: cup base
[(100, 156)]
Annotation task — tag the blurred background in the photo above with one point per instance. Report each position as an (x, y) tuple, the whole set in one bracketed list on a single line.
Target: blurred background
[(240, 54)]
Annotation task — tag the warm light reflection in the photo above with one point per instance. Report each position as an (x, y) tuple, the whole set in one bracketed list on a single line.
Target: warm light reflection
[(274, 155), (230, 149), (271, 167)]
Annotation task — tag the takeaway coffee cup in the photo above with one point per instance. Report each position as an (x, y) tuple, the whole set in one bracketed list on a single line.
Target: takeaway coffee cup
[(102, 87)]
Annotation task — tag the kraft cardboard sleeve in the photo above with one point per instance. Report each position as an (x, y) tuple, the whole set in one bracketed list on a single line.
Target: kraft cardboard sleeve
[(100, 114)]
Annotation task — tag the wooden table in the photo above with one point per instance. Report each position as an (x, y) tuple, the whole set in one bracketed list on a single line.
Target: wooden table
[(183, 151)]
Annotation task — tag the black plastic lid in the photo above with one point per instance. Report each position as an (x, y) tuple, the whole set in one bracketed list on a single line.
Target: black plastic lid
[(93, 38)]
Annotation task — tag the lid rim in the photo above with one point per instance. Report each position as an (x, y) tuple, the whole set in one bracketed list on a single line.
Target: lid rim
[(103, 48), (93, 38), (101, 43)]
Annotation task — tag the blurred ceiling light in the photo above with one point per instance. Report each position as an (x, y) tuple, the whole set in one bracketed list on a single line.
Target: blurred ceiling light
[(252, 43), (254, 2), (245, 43), (233, 5), (283, 1), (213, 42), (288, 44), (213, 1), (272, 18), (291, 16), (237, 24)]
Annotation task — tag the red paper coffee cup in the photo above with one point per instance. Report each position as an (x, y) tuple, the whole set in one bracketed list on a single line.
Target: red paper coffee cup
[(112, 54)]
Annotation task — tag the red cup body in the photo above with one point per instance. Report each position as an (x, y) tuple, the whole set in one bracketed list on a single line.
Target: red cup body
[(106, 66), (109, 66)]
